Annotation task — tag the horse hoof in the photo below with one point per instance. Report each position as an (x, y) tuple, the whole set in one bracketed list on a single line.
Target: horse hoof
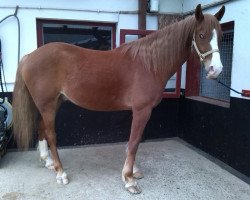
[(138, 175), (133, 188), (62, 178)]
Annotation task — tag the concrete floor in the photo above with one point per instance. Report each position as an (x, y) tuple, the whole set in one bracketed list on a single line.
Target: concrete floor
[(172, 171)]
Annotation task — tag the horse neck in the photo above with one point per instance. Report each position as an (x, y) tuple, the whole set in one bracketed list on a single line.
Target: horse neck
[(176, 44), (165, 50)]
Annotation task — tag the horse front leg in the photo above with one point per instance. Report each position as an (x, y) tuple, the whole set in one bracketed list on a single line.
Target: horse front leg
[(140, 119)]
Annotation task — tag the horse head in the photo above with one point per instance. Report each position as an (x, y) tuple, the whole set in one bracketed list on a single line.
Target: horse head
[(206, 37)]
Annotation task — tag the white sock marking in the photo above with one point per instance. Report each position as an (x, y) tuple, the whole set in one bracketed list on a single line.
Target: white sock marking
[(44, 154)]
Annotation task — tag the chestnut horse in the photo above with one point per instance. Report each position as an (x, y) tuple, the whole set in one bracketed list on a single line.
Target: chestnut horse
[(130, 77)]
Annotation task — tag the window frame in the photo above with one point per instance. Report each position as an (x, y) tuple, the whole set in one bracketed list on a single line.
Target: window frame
[(176, 93), (41, 21)]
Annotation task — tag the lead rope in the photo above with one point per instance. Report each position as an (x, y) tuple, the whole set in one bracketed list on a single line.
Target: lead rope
[(228, 87)]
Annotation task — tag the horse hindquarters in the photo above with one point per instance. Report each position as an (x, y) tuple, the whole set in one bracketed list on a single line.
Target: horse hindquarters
[(31, 106)]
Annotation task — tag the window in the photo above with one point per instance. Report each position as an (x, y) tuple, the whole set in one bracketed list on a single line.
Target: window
[(98, 36), (198, 87)]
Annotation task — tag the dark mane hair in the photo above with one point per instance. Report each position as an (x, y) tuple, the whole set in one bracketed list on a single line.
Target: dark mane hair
[(163, 47)]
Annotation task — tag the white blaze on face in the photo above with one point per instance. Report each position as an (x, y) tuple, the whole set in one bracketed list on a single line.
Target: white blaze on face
[(214, 66)]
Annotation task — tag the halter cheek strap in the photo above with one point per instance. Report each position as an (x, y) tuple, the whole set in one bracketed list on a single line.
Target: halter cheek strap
[(202, 55)]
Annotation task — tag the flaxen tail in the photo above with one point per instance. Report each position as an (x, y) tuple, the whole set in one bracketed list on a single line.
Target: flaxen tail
[(25, 113)]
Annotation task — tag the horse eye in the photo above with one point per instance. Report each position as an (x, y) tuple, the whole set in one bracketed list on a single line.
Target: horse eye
[(202, 36)]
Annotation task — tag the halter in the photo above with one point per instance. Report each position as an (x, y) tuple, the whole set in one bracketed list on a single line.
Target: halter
[(202, 55)]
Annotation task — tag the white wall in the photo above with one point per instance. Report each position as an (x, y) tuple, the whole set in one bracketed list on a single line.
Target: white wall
[(170, 6), (239, 12), (87, 10), (189, 5)]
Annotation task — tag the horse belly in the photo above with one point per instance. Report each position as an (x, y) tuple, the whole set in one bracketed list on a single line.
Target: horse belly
[(100, 92), (98, 102)]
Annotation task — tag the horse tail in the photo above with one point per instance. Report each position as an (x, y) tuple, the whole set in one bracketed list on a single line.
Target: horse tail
[(25, 112)]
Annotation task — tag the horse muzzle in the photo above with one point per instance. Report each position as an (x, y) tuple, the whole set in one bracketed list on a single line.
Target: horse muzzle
[(213, 72)]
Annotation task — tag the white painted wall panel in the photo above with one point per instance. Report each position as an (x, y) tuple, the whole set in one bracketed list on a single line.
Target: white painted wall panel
[(170, 6), (189, 5), (111, 5)]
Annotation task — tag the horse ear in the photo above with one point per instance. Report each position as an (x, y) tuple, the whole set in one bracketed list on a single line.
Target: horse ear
[(220, 13), (198, 13)]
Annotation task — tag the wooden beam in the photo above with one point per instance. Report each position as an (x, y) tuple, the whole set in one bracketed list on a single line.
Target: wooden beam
[(142, 14)]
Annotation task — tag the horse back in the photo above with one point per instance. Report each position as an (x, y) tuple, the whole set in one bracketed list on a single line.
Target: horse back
[(97, 80)]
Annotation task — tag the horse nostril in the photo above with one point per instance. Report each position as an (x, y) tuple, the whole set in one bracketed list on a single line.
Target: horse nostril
[(211, 69)]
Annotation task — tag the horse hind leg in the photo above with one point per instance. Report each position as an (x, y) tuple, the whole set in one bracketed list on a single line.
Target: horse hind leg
[(50, 135), (43, 147), (48, 113)]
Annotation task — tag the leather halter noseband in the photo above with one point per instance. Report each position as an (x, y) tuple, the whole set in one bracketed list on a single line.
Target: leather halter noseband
[(202, 55)]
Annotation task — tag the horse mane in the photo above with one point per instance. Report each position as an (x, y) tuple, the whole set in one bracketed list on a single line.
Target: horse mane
[(163, 49)]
